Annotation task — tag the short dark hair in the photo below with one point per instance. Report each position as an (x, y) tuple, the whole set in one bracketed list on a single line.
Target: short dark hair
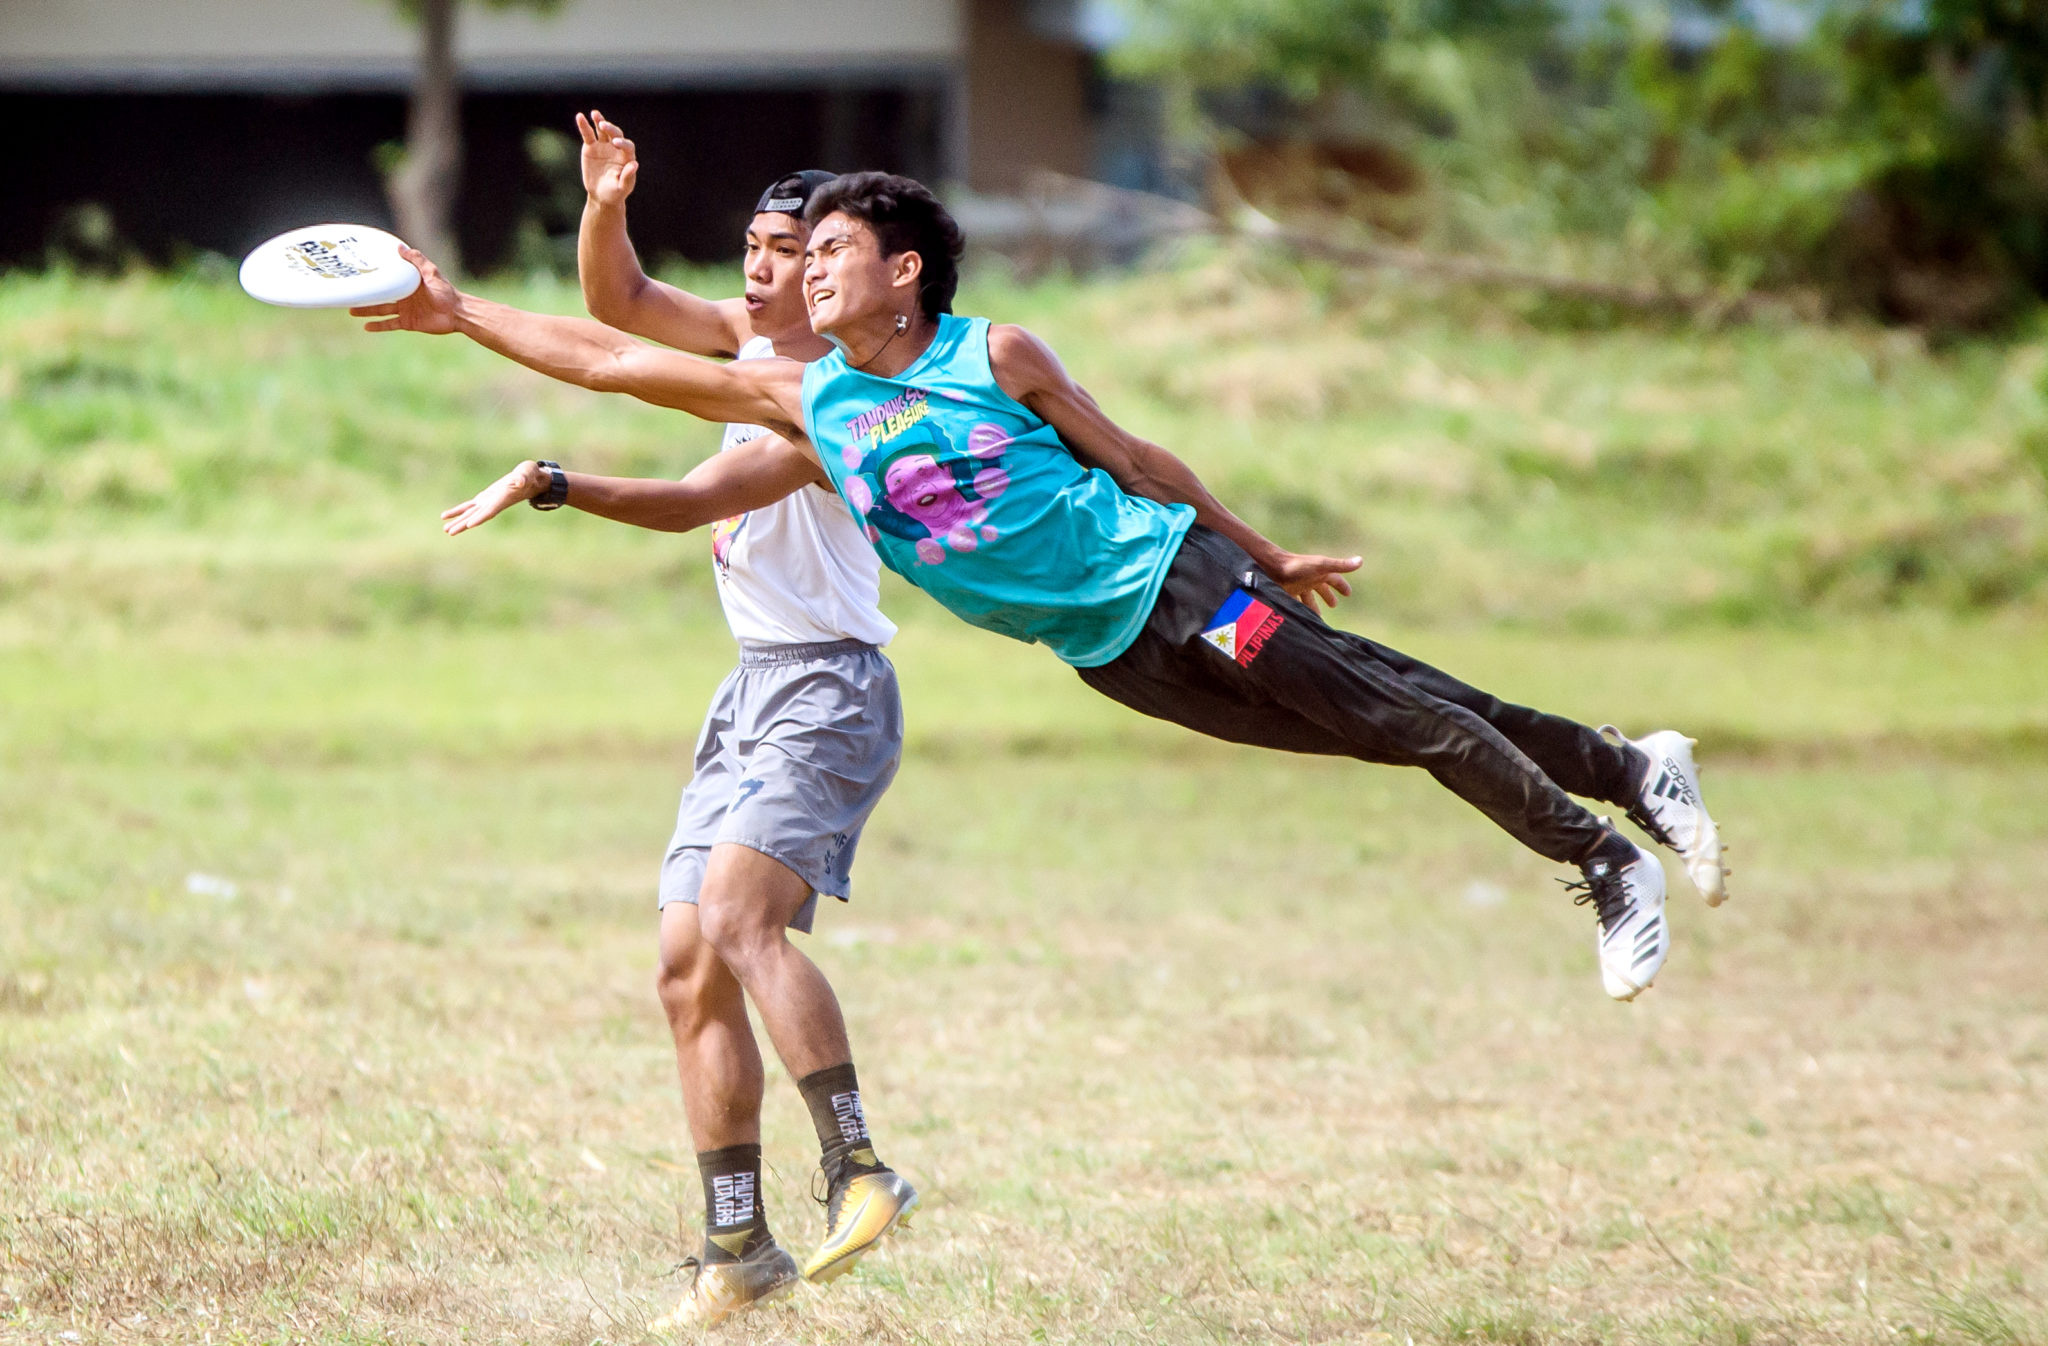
[(906, 217)]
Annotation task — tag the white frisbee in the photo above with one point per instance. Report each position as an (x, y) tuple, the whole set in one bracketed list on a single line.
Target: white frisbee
[(329, 266)]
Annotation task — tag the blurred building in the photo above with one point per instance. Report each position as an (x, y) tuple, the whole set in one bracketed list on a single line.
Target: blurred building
[(212, 123)]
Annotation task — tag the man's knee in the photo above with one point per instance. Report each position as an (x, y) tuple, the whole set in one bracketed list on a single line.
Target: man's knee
[(688, 978), (737, 929)]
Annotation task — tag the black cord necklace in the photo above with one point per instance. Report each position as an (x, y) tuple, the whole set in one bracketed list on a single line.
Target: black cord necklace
[(902, 326)]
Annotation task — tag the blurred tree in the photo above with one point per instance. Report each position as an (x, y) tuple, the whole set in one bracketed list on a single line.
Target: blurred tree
[(424, 182), (1897, 157), (1307, 47), (1951, 97), (1892, 154), (1338, 103)]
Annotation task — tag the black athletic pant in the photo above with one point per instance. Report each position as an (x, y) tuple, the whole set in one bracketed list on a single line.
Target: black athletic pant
[(1283, 678)]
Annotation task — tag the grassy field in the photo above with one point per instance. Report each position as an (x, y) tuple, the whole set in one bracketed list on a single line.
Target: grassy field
[(162, 437), (326, 922)]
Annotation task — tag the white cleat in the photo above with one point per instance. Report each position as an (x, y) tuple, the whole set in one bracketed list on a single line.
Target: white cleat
[(1632, 937), (1673, 813)]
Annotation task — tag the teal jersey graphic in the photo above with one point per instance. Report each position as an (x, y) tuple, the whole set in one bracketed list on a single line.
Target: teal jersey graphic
[(967, 494)]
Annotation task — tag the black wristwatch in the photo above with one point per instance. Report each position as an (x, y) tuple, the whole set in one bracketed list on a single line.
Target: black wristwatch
[(557, 493)]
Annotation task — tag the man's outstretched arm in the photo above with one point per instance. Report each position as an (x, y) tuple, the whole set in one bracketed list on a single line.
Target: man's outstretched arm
[(747, 477), (1028, 370), (591, 355), (616, 290)]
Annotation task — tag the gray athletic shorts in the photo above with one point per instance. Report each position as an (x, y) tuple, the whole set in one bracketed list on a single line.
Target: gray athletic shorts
[(799, 744)]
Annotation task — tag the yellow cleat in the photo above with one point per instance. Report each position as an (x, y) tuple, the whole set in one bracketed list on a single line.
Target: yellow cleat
[(860, 1213), (721, 1289)]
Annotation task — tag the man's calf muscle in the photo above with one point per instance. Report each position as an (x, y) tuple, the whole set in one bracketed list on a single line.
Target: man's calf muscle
[(745, 905)]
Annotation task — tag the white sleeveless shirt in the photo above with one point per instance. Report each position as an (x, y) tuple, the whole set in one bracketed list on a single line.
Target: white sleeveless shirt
[(799, 572)]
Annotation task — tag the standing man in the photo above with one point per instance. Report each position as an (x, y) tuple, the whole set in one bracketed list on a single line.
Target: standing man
[(800, 742), (985, 475)]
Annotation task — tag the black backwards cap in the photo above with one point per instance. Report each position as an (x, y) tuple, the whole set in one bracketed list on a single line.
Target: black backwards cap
[(791, 193)]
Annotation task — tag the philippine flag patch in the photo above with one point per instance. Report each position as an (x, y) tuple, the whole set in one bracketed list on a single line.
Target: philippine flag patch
[(1242, 626)]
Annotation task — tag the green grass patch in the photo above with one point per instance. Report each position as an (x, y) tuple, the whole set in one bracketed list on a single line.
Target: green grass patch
[(327, 966), (1489, 469), (327, 919)]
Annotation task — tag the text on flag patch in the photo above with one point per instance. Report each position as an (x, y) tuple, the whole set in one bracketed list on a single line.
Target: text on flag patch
[(1242, 626)]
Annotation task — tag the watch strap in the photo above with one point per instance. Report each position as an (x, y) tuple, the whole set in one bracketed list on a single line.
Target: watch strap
[(557, 493)]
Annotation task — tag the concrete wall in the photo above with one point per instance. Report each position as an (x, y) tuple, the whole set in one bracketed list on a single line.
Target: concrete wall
[(303, 45), (1027, 98)]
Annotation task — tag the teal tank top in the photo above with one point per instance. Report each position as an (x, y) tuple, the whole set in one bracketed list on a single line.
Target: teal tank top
[(967, 494)]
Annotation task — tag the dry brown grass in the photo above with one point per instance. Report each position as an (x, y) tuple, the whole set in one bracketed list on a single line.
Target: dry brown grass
[(1182, 1043)]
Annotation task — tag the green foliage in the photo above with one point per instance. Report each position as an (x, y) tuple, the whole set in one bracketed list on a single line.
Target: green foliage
[(1962, 107), (1895, 159), (544, 243), (1299, 44), (1901, 164), (1307, 47)]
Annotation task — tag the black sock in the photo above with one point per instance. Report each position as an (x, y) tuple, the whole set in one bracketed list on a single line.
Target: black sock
[(735, 1222), (833, 1096), (1636, 773), (1614, 848)]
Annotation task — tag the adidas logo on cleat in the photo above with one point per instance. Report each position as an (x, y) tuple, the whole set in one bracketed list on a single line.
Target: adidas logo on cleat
[(1646, 941), (1672, 812), (1672, 785)]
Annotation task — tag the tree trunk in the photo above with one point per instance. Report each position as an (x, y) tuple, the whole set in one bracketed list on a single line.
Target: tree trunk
[(423, 189)]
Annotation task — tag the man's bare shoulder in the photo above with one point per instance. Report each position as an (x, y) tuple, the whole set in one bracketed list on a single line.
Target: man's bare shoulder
[(1006, 340), (1021, 361)]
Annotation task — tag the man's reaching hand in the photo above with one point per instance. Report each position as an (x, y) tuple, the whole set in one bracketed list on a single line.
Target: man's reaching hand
[(1315, 578), (431, 308), (610, 165), (523, 482)]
